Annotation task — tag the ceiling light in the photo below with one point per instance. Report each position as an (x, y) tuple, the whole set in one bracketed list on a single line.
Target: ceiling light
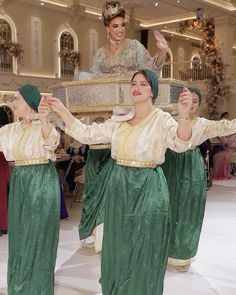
[(55, 3), (154, 2)]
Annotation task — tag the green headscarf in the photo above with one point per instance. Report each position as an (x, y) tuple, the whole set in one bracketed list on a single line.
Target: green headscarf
[(31, 95), (152, 79)]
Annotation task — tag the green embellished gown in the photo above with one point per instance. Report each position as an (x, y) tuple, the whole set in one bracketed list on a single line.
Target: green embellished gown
[(137, 210), (97, 171), (187, 182), (186, 177), (34, 208)]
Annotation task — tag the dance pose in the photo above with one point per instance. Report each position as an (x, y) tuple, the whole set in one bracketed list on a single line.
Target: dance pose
[(34, 198), (137, 211), (120, 56), (186, 178)]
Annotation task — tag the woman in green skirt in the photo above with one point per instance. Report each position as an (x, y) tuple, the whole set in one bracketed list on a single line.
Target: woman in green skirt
[(34, 198), (186, 178), (137, 212)]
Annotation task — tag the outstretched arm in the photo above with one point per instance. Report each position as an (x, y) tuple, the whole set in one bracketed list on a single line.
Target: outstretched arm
[(57, 106), (89, 134), (184, 130)]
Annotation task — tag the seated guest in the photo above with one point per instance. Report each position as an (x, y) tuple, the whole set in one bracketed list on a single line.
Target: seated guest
[(79, 153), (221, 155)]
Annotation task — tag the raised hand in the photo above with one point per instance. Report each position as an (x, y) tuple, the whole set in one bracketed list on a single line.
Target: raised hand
[(56, 105), (43, 109), (185, 104), (161, 43)]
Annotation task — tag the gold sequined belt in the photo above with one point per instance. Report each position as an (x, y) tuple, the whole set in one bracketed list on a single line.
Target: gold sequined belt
[(138, 164), (31, 162), (99, 146)]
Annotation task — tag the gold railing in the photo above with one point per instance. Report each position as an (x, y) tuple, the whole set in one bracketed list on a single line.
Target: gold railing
[(185, 71)]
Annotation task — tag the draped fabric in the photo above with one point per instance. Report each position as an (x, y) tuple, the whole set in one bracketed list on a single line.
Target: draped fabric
[(136, 232), (34, 215), (97, 171), (4, 173), (186, 178)]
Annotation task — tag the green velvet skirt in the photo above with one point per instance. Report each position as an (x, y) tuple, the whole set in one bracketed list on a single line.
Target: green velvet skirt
[(136, 231), (34, 216), (186, 178), (97, 170)]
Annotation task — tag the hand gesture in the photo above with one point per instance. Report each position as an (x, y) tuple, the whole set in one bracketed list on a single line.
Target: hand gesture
[(161, 43), (185, 104), (43, 109), (56, 105)]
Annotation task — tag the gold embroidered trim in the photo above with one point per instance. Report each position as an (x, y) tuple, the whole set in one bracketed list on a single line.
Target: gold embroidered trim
[(31, 162), (99, 146), (138, 164)]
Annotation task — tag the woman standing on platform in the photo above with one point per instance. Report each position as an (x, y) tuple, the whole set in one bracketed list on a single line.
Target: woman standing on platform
[(34, 198), (125, 56), (122, 57), (137, 213), (186, 178)]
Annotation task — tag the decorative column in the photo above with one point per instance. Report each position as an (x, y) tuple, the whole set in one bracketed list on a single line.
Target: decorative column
[(224, 31)]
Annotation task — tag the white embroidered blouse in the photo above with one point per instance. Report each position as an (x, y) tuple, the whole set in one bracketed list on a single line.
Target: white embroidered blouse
[(203, 129), (147, 141), (18, 143)]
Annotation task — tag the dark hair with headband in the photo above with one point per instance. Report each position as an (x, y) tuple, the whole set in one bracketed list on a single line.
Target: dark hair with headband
[(152, 80), (196, 91), (111, 10)]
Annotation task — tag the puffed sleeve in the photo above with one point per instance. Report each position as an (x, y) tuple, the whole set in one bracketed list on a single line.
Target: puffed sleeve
[(52, 142), (173, 142), (91, 134), (145, 60), (205, 129)]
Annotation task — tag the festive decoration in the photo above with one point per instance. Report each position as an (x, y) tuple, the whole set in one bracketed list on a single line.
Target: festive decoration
[(70, 56), (11, 48), (210, 53)]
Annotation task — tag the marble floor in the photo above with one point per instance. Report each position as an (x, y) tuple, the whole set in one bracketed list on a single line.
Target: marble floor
[(212, 273)]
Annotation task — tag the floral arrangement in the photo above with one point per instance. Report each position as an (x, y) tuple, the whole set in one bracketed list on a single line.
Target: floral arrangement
[(70, 56), (210, 53), (12, 48)]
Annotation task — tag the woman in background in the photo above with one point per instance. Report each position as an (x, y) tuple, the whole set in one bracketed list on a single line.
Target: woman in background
[(186, 178)]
